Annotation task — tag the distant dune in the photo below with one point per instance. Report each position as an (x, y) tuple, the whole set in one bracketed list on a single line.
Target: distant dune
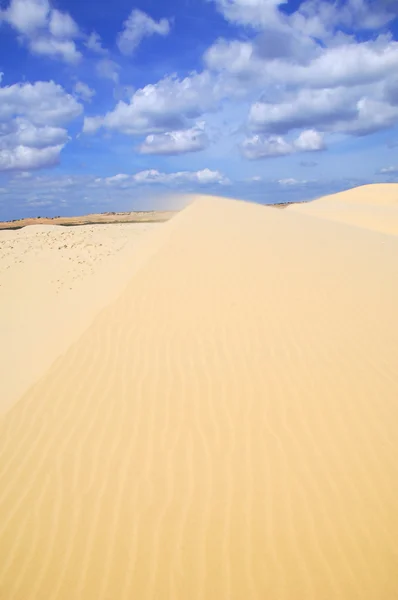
[(225, 428), (373, 207), (149, 216)]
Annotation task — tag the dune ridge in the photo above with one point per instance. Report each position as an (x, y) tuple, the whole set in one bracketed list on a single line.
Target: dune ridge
[(225, 429), (373, 207)]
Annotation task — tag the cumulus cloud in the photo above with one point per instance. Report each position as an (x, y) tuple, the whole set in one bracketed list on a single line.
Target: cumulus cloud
[(320, 19), (31, 115), (42, 103), (26, 16), (23, 133), (138, 26), (92, 124), (355, 111), (342, 84), (94, 44), (301, 83), (23, 157), (259, 146), (316, 18), (45, 30), (117, 178), (108, 69), (61, 25), (176, 142), (82, 90), (309, 141), (49, 46), (348, 64), (159, 108), (256, 13)]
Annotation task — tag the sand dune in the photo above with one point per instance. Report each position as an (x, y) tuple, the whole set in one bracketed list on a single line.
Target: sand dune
[(53, 281), (150, 216), (373, 207), (225, 429)]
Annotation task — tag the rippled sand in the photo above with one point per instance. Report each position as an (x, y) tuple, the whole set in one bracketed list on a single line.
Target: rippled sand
[(224, 430)]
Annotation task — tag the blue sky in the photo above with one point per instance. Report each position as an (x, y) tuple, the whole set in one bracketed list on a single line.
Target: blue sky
[(121, 105)]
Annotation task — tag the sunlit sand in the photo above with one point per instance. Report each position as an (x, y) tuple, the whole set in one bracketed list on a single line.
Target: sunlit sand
[(224, 428)]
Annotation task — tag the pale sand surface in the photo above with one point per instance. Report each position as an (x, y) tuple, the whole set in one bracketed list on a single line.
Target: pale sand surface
[(53, 281), (373, 207), (224, 430)]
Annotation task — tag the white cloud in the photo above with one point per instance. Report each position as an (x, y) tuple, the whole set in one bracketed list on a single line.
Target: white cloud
[(309, 141), (204, 177), (94, 44), (62, 25), (372, 115), (348, 64), (108, 69), (259, 146), (257, 59), (42, 103), (291, 181), (344, 86), (320, 19), (344, 110), (45, 30), (176, 142), (162, 107), (30, 119), (84, 91), (23, 157), (117, 178), (388, 170), (257, 13), (23, 133), (92, 124), (314, 17), (26, 16), (63, 49), (138, 26), (152, 176)]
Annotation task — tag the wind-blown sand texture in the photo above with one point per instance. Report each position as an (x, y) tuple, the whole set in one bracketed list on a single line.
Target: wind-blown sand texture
[(224, 430)]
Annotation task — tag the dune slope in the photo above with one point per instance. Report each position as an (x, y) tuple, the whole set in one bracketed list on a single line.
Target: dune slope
[(225, 429), (53, 281), (373, 207)]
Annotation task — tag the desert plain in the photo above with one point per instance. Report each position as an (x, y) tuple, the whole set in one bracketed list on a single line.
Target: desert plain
[(205, 408)]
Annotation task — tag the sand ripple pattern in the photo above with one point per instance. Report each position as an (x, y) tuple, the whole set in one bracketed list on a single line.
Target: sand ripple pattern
[(225, 430)]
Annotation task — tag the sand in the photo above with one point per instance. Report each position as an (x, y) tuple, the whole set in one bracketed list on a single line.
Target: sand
[(373, 207), (53, 281), (225, 429), (149, 216)]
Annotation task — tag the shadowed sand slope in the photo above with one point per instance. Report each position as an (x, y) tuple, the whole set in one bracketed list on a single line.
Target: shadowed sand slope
[(225, 430), (373, 207)]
